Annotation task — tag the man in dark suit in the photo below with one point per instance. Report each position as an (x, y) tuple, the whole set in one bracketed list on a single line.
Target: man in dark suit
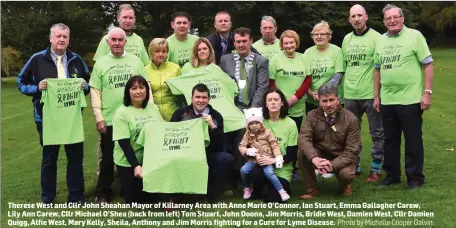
[(250, 71), (222, 39)]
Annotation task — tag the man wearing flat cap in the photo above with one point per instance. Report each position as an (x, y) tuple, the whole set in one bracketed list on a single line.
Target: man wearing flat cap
[(329, 142)]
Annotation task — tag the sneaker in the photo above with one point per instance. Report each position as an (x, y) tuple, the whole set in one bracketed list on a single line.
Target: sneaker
[(327, 175), (284, 195), (317, 173), (247, 193)]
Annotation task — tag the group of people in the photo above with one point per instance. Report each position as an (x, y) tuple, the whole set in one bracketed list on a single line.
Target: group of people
[(268, 82)]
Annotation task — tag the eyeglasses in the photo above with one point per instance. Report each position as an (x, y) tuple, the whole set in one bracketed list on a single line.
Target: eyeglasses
[(319, 34), (395, 18)]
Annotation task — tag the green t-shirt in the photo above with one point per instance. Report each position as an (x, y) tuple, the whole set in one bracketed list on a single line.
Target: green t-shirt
[(359, 72), (127, 123), (286, 134), (135, 45), (222, 90), (180, 52), (401, 71), (62, 117), (267, 50), (110, 76), (324, 65), (289, 74), (175, 156)]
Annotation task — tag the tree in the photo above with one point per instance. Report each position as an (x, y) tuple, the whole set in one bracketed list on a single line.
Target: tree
[(11, 65)]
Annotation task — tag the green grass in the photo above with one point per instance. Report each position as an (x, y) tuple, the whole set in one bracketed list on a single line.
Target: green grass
[(21, 159)]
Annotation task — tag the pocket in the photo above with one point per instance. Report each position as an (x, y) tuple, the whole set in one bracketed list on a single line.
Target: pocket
[(320, 133)]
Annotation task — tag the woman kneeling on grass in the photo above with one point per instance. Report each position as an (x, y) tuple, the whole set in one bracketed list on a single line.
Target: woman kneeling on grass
[(127, 124), (275, 111)]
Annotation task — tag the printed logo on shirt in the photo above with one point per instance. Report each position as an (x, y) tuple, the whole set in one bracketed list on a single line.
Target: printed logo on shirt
[(119, 75), (67, 93), (319, 67), (389, 54), (294, 73), (183, 56), (356, 54), (133, 49), (139, 123), (214, 87), (176, 138)]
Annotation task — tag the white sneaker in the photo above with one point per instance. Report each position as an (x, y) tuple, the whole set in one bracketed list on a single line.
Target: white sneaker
[(284, 195), (327, 175), (317, 173)]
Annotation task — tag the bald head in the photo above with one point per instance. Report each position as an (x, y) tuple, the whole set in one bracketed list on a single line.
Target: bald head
[(117, 31), (116, 41), (358, 18), (357, 8)]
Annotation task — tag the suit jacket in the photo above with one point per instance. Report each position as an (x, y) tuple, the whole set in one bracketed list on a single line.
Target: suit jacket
[(215, 40), (258, 77)]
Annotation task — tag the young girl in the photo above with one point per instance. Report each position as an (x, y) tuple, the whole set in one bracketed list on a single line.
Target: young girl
[(258, 140)]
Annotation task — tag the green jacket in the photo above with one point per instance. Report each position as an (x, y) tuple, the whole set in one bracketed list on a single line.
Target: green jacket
[(163, 97)]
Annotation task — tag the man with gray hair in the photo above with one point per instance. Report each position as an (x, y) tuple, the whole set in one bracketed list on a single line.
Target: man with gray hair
[(135, 45), (55, 62), (401, 59), (329, 141), (359, 48), (109, 76), (268, 45)]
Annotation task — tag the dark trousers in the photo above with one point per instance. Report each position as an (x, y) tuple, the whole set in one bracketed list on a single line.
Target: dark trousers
[(106, 175), (298, 121), (359, 107), (131, 185), (220, 167), (74, 176), (408, 119), (260, 181), (232, 145), (310, 107)]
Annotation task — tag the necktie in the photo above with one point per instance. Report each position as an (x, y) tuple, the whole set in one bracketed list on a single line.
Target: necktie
[(330, 120), (245, 90), (60, 70)]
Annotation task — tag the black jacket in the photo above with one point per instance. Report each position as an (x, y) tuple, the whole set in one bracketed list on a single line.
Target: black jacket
[(216, 135), (41, 66), (214, 38)]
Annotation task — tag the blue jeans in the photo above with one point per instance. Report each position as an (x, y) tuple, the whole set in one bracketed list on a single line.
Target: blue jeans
[(268, 172)]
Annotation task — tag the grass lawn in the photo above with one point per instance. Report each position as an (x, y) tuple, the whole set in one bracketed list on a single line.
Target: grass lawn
[(21, 159)]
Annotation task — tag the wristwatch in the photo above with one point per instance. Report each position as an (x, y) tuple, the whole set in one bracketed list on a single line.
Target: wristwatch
[(428, 91)]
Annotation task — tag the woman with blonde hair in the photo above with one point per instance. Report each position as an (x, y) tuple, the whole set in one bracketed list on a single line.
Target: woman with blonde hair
[(157, 73), (326, 61), (290, 73), (203, 57)]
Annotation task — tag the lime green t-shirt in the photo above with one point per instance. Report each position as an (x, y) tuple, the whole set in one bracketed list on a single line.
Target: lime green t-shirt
[(180, 52), (267, 50), (175, 156), (286, 134), (401, 71), (134, 45), (110, 76), (359, 58), (324, 65), (289, 74), (62, 117), (127, 123), (222, 90)]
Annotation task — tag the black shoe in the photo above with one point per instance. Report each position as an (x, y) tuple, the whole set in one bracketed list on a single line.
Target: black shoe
[(415, 184), (388, 181)]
